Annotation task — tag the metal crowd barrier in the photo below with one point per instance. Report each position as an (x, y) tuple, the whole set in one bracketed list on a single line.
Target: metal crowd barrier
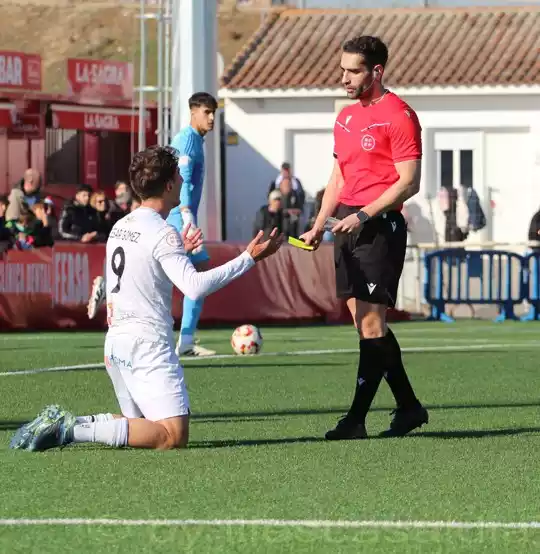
[(531, 277), (494, 277)]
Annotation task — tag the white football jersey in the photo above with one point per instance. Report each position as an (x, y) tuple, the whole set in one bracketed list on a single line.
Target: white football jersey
[(145, 257)]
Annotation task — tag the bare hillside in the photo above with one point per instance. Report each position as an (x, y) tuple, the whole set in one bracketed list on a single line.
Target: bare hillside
[(59, 29)]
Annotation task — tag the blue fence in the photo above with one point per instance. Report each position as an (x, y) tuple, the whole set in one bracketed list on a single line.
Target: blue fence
[(494, 277)]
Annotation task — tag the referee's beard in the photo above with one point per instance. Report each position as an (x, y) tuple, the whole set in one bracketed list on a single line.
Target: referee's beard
[(363, 92)]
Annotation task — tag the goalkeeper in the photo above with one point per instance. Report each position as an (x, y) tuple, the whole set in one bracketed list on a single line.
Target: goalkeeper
[(189, 143)]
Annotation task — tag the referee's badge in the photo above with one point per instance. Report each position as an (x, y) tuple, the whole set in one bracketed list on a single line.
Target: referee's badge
[(368, 143)]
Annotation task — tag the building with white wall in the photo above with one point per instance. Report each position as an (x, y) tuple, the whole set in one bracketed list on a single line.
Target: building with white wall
[(472, 75)]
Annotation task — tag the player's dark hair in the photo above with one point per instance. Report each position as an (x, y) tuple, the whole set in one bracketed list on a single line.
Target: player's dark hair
[(372, 49), (151, 170), (203, 99), (4, 199)]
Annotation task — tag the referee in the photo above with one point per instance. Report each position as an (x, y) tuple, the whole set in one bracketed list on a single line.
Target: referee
[(377, 151)]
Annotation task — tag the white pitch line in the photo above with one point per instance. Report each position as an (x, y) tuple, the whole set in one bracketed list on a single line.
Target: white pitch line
[(407, 349), (52, 369), (411, 328), (315, 524)]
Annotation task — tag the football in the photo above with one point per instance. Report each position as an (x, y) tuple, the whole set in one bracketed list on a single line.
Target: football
[(246, 339)]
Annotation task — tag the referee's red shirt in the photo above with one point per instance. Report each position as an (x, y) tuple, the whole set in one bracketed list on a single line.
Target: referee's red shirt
[(368, 141)]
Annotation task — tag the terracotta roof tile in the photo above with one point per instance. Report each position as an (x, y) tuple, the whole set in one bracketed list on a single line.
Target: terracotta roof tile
[(428, 47)]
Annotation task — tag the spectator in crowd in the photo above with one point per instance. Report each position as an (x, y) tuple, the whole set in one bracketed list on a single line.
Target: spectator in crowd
[(24, 194), (5, 232), (100, 203), (315, 210), (296, 185), (476, 218), (40, 226), (21, 230), (327, 236), (79, 221), (270, 216), (50, 210), (454, 209), (534, 231), (122, 201), (292, 204)]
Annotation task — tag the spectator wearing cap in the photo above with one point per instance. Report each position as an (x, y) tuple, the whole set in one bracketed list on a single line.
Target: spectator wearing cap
[(296, 185), (79, 221), (270, 216), (24, 194)]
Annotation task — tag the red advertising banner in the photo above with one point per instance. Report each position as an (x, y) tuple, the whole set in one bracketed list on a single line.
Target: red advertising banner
[(103, 79), (30, 126), (95, 119), (20, 71), (49, 288)]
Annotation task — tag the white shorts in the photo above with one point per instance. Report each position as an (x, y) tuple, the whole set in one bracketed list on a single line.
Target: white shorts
[(147, 377)]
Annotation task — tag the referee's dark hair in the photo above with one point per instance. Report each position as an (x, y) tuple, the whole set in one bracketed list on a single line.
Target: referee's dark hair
[(372, 49), (203, 99), (151, 170)]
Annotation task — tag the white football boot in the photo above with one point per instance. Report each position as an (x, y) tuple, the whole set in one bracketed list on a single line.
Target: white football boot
[(97, 297), (193, 350)]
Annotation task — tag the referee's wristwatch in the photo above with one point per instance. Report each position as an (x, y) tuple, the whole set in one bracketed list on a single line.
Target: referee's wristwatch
[(362, 216)]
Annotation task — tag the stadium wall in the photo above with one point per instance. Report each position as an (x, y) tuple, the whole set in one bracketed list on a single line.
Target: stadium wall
[(48, 288)]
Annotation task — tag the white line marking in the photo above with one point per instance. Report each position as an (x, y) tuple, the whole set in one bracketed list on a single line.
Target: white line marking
[(52, 369), (412, 328), (316, 524), (408, 349)]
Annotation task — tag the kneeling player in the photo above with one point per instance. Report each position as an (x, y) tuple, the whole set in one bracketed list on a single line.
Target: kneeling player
[(145, 257)]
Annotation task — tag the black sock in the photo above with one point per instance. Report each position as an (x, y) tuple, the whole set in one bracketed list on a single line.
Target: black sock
[(396, 376), (370, 374)]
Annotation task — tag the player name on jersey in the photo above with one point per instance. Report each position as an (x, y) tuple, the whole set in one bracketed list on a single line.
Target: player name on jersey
[(125, 234)]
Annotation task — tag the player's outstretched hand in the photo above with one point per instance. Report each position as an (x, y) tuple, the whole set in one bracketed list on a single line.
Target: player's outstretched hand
[(192, 237), (261, 250), (313, 238)]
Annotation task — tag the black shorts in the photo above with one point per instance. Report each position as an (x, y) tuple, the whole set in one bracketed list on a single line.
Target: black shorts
[(369, 263)]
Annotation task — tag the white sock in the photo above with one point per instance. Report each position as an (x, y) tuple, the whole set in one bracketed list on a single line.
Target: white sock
[(184, 341), (113, 432), (94, 418)]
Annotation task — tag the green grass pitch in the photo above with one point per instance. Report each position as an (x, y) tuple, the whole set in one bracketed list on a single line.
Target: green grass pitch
[(257, 453)]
